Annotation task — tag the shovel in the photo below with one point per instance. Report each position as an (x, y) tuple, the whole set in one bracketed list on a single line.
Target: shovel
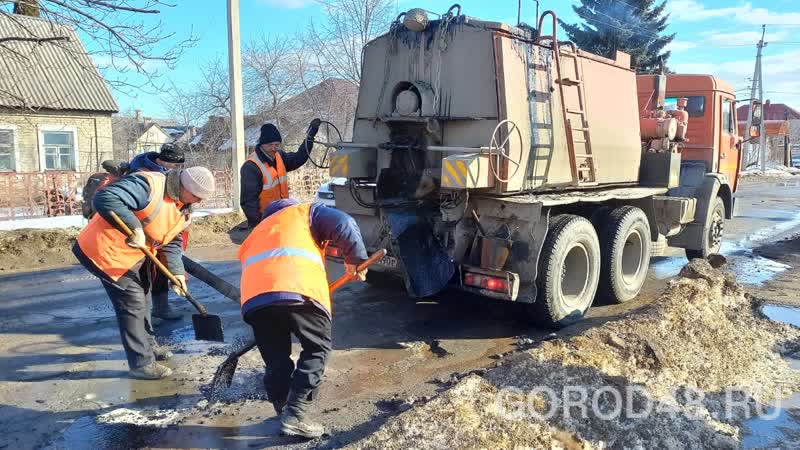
[(224, 374), (207, 327)]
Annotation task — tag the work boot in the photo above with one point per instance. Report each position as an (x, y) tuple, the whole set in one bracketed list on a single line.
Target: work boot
[(152, 371), (297, 425), (162, 353)]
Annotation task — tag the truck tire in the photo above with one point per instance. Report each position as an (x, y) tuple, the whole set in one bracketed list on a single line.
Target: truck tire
[(569, 270), (625, 252), (712, 232)]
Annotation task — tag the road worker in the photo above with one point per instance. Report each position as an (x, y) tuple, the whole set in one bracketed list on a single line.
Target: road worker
[(284, 292), (169, 156), (152, 205), (264, 173)]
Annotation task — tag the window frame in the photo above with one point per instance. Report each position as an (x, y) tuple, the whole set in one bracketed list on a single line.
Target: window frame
[(43, 129), (14, 147), (731, 129)]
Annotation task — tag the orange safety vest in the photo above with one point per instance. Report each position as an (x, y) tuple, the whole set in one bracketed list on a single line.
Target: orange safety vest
[(280, 255), (162, 221), (274, 185)]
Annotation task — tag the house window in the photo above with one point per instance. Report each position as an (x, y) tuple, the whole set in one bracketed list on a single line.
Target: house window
[(59, 150), (6, 150)]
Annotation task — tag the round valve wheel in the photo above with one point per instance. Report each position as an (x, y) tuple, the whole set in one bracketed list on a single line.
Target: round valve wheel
[(327, 137), (499, 153)]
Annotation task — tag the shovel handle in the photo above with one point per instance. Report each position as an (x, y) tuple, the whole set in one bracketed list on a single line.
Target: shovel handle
[(347, 277), (161, 267)]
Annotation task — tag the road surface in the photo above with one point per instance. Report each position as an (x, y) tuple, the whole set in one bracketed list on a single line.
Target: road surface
[(64, 377)]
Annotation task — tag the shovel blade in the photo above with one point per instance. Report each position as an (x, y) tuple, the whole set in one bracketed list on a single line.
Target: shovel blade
[(207, 328), (223, 377)]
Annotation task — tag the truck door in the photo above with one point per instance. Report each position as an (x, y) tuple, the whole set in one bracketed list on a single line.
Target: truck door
[(728, 151)]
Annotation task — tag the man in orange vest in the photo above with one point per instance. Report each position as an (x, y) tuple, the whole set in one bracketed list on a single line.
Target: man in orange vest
[(152, 205), (263, 175), (169, 156), (284, 292)]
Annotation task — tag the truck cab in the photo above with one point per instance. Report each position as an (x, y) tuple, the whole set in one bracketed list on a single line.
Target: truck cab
[(712, 134)]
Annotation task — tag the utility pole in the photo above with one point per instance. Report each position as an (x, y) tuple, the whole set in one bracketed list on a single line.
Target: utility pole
[(237, 109), (787, 150), (758, 85)]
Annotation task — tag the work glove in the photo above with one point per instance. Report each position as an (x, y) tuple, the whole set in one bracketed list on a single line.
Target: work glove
[(352, 269), (313, 128), (181, 288), (137, 239)]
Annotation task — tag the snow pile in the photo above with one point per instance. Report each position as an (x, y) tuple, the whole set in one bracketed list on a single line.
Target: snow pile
[(683, 372), (772, 171), (153, 418)]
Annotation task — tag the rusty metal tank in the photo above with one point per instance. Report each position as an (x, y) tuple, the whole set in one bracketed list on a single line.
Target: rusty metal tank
[(461, 103)]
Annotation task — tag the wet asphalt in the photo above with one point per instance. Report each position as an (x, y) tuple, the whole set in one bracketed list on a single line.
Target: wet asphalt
[(64, 384)]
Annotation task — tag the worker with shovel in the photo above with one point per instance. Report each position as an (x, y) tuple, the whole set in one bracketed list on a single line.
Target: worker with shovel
[(169, 156), (151, 205), (284, 292)]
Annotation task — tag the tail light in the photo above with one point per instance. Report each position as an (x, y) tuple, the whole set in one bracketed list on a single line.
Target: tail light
[(333, 252), (486, 282)]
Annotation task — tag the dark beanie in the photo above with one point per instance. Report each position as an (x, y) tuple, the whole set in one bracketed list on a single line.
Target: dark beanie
[(269, 133), (171, 153)]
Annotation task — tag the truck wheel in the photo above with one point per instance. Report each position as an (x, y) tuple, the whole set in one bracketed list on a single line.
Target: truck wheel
[(569, 269), (625, 251), (712, 232)]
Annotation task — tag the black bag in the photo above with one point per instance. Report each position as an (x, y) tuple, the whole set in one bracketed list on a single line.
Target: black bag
[(114, 171)]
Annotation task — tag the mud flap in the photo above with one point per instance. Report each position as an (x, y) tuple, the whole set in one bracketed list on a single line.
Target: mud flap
[(428, 266)]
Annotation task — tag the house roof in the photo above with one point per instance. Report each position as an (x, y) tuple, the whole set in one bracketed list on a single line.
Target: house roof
[(771, 127), (771, 111), (55, 75)]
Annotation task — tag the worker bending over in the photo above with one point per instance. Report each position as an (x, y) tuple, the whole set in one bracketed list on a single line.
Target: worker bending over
[(151, 204), (264, 173), (169, 157), (284, 292)]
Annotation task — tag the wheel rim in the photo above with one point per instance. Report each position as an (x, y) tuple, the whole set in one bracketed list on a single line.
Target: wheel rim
[(715, 232), (575, 275), (632, 256)]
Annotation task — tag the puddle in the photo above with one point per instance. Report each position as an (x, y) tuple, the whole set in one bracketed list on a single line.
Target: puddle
[(780, 424), (785, 314), (748, 267), (121, 428)]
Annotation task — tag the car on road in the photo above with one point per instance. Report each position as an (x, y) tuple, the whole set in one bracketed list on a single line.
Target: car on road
[(325, 192)]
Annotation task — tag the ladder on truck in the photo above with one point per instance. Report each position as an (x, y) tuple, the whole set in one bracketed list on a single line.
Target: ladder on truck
[(582, 165)]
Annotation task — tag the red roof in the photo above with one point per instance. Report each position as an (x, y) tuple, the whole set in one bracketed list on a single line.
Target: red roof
[(771, 127), (772, 111)]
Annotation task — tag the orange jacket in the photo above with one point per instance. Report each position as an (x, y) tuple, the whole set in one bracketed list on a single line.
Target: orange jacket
[(274, 181), (105, 246), (280, 255)]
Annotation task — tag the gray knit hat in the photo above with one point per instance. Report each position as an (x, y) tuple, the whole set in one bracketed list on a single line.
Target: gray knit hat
[(199, 181)]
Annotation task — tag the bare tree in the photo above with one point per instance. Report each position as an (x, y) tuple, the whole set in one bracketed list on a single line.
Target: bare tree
[(349, 25), (122, 35), (271, 73)]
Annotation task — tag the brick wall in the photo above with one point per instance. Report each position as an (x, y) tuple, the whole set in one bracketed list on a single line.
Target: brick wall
[(91, 134)]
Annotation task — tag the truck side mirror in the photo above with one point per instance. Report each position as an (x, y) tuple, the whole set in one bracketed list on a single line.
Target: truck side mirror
[(755, 124)]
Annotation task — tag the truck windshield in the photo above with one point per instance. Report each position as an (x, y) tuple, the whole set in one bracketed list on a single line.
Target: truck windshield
[(696, 106)]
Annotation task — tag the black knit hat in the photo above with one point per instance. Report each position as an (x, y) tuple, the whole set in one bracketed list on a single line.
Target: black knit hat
[(269, 133), (171, 153)]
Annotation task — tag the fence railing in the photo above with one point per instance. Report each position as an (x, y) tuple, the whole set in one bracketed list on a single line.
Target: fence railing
[(32, 195)]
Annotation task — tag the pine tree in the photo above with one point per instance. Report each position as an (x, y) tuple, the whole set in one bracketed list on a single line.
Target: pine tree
[(632, 26), (27, 8)]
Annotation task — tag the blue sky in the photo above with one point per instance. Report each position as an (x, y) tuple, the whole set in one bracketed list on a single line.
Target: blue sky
[(713, 36)]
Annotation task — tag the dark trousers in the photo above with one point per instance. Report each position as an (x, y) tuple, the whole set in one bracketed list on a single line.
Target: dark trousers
[(160, 292), (273, 327), (132, 307)]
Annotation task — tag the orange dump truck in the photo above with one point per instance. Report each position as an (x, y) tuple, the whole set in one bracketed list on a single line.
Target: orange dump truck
[(499, 161)]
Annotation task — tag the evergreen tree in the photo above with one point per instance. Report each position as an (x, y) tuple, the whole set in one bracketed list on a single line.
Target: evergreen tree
[(632, 26), (27, 8)]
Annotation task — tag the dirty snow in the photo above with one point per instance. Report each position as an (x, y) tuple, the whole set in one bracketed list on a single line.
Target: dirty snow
[(772, 171), (677, 359), (51, 223), (155, 418)]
